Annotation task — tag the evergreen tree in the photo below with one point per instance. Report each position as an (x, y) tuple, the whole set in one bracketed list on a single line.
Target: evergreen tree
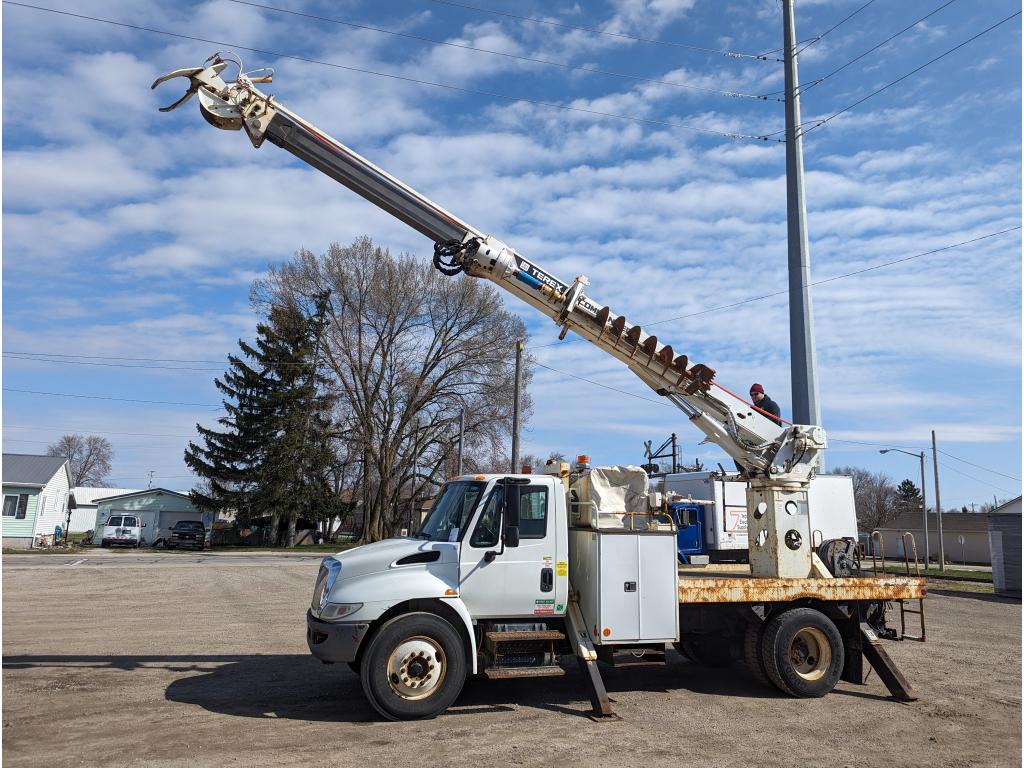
[(908, 497), (270, 457)]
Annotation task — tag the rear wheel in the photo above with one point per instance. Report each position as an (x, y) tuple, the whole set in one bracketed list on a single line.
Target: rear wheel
[(752, 654), (802, 652), (414, 667)]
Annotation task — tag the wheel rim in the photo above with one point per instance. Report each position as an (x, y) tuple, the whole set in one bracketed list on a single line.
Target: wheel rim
[(810, 653), (416, 668)]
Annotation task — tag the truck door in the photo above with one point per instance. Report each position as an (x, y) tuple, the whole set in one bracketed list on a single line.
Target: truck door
[(521, 580)]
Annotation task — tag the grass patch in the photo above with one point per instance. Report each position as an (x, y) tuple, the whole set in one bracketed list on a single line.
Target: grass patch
[(70, 550), (328, 548), (950, 574)]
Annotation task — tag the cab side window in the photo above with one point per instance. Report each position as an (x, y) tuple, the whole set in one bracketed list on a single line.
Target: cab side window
[(533, 513), (488, 527)]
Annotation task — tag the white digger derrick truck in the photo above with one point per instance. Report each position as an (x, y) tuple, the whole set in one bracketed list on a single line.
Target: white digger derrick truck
[(509, 572)]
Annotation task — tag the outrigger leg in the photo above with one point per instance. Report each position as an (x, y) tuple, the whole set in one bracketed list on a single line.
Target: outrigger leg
[(586, 655)]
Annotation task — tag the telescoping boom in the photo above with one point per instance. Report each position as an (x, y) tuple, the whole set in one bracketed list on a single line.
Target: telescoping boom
[(750, 438)]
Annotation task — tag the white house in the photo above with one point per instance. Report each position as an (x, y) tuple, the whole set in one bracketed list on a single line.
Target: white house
[(82, 505), (35, 492)]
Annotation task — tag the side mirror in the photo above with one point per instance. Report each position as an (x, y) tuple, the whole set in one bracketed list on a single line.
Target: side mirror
[(510, 518), (145, 524)]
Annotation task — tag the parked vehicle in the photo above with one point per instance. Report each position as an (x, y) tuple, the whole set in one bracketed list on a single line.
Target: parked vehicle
[(122, 530), (508, 572), (186, 533)]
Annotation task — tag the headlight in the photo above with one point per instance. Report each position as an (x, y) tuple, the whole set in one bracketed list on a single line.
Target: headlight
[(335, 611), (329, 570)]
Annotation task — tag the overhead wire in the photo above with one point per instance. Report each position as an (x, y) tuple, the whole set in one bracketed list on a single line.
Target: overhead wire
[(819, 80), (975, 479), (106, 397), (505, 54), (817, 38), (807, 285), (979, 466), (403, 78), (596, 31), (818, 123)]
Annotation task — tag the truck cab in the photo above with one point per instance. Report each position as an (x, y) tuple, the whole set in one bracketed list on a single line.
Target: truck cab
[(491, 556)]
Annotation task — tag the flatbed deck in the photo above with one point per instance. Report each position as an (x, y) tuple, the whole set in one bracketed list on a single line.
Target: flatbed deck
[(734, 586)]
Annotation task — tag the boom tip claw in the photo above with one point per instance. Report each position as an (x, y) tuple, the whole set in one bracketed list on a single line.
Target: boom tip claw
[(199, 77)]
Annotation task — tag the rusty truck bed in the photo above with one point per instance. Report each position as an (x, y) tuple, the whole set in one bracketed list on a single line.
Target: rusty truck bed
[(738, 587)]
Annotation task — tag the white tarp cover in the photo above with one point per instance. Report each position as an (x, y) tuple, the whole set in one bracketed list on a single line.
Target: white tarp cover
[(619, 495)]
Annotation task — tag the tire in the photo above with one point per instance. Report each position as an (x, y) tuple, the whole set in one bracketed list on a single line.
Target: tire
[(104, 545), (752, 654), (708, 652), (803, 653), (415, 651), (354, 667)]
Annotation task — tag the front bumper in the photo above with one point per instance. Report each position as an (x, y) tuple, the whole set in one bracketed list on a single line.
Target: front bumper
[(334, 642)]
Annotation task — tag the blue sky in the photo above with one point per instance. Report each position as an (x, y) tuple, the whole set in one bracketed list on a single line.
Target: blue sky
[(130, 234)]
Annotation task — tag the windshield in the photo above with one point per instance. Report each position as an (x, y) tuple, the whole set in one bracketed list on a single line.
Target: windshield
[(452, 511), (189, 525)]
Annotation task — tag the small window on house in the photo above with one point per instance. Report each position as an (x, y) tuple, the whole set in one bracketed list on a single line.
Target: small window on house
[(10, 505), (114, 521), (22, 506)]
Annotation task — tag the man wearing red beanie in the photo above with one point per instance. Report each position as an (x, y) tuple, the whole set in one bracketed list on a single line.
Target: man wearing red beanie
[(769, 407)]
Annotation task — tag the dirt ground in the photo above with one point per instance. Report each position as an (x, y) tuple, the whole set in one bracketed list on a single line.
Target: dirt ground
[(203, 661)]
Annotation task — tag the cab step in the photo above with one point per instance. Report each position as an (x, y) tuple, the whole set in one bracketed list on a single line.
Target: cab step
[(515, 637), (511, 673)]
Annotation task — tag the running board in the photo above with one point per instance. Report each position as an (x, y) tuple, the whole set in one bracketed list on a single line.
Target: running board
[(888, 672), (513, 673)]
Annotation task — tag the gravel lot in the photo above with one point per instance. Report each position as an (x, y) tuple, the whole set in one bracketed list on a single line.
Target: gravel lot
[(202, 661)]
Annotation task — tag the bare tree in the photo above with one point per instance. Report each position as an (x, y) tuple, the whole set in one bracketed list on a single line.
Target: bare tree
[(874, 495), (406, 349), (89, 458)]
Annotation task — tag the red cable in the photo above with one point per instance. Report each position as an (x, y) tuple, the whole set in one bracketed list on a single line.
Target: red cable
[(759, 410)]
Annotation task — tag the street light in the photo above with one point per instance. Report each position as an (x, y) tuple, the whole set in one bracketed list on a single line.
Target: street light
[(924, 505)]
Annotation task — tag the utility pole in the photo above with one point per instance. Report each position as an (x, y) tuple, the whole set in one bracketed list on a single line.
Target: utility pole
[(150, 483), (806, 409), (462, 434), (675, 466), (938, 505), (415, 468), (515, 407), (924, 502)]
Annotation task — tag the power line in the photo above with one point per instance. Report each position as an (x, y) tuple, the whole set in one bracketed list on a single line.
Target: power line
[(978, 466), (972, 477), (29, 356), (811, 284), (818, 123), (879, 445), (517, 57), (594, 30), (105, 397), (403, 78), (603, 386), (91, 431), (817, 38), (823, 78)]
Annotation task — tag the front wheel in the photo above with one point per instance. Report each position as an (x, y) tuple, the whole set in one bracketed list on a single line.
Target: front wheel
[(802, 652), (414, 667)]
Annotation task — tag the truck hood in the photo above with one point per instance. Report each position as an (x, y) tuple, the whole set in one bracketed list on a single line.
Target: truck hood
[(384, 555)]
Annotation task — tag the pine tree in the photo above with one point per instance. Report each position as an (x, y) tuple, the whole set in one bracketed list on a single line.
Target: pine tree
[(271, 455), (908, 497)]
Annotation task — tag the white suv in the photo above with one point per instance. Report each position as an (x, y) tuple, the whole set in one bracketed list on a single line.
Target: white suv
[(121, 529)]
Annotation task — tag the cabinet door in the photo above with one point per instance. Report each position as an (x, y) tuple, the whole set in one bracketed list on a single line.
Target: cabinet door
[(659, 595), (620, 585)]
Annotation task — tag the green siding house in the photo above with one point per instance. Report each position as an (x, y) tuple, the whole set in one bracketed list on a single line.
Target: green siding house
[(35, 492), (157, 509)]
